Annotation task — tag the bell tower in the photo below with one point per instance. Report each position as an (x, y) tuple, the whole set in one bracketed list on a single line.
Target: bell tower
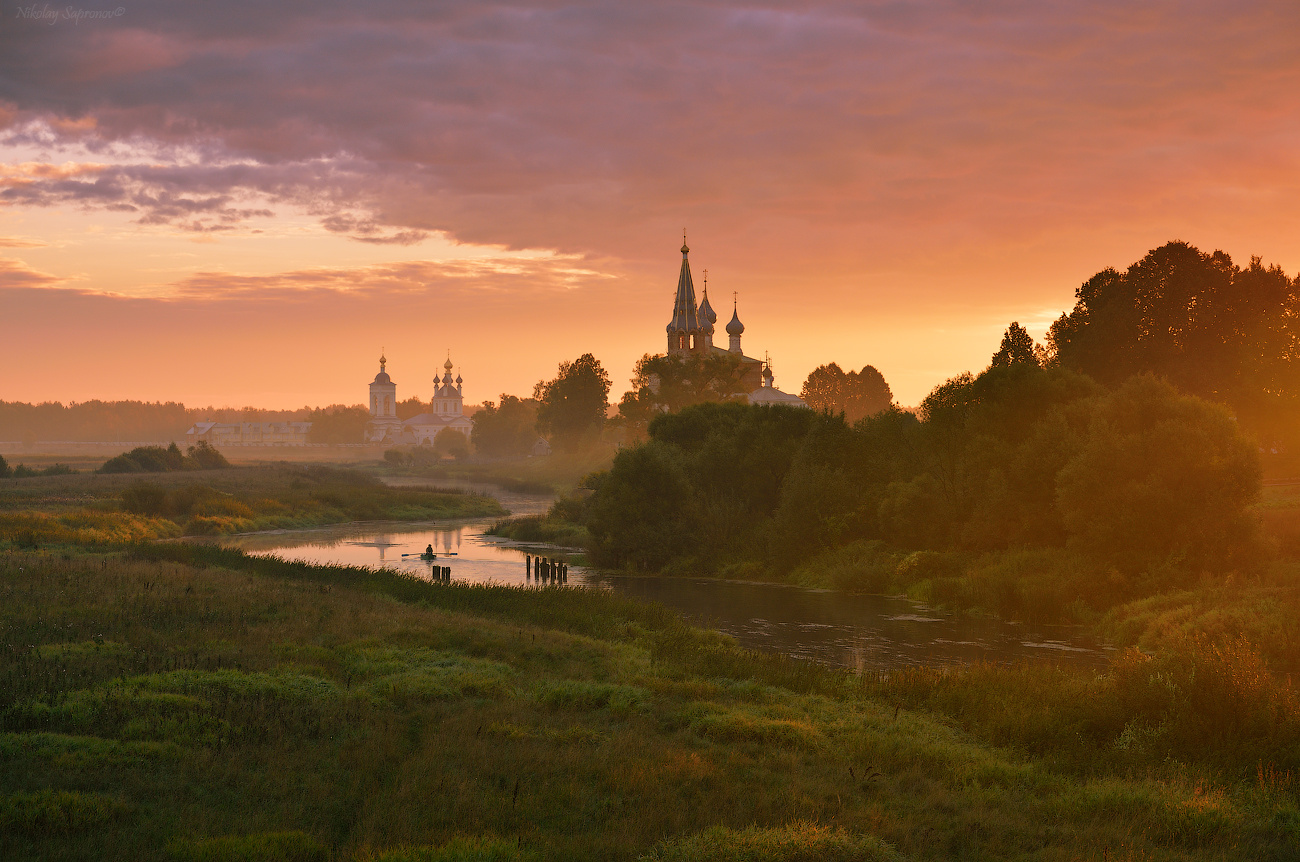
[(686, 331)]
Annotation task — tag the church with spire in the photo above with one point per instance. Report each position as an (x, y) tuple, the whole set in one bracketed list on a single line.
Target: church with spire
[(691, 330), (446, 410)]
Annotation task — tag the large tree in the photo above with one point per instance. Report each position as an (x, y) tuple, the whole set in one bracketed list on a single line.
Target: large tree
[(571, 407), (1018, 348), (1210, 327), (505, 430), (666, 384), (857, 394), (338, 423)]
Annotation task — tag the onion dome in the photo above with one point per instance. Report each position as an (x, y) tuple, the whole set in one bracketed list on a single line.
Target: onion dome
[(382, 376), (735, 327), (447, 364), (707, 315), (767, 374), (458, 380)]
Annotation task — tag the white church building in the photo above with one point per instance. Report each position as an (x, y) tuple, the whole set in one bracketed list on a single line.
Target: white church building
[(446, 410)]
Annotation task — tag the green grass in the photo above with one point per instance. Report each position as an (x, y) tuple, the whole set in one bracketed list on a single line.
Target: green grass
[(94, 509), (548, 474), (541, 530), (191, 702)]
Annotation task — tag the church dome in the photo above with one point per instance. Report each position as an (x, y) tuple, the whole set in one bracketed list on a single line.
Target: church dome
[(735, 327), (382, 376), (706, 311), (447, 365)]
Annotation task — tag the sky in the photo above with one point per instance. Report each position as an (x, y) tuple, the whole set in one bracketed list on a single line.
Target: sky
[(244, 203)]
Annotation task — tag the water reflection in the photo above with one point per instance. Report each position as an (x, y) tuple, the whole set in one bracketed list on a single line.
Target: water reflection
[(857, 631), (861, 632), (422, 550)]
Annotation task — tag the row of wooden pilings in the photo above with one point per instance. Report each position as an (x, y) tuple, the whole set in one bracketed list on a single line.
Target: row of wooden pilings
[(440, 573), (546, 569)]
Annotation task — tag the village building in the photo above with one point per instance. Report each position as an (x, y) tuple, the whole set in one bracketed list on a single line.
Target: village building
[(446, 410), (691, 332), (249, 433)]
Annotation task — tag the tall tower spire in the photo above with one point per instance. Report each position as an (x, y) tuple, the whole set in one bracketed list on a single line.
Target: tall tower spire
[(685, 334)]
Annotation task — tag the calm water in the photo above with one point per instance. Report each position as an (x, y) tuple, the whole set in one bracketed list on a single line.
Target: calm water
[(835, 628)]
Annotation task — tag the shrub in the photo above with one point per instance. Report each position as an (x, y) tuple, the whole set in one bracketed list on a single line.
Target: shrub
[(460, 850), (259, 847), (799, 842), (48, 811), (205, 457)]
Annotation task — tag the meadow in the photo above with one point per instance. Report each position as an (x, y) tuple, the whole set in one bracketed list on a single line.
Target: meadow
[(178, 701), (105, 509)]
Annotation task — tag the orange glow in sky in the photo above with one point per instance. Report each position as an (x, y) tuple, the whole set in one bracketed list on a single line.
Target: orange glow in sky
[(241, 204)]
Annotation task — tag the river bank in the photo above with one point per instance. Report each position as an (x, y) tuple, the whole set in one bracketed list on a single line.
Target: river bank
[(191, 701), (176, 700)]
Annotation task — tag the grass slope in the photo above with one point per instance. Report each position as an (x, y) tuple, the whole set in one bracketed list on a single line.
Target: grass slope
[(186, 702)]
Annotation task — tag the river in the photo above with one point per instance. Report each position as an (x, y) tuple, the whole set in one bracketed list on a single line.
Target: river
[(864, 632)]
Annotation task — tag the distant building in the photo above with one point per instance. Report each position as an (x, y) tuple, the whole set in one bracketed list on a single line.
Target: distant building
[(691, 332), (384, 426), (249, 433), (446, 410)]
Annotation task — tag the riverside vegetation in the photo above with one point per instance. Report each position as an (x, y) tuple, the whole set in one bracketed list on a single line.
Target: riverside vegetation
[(1025, 492), (178, 701), (114, 508)]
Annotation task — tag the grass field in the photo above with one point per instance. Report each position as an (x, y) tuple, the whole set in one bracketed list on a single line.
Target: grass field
[(551, 474), (189, 702), (89, 508)]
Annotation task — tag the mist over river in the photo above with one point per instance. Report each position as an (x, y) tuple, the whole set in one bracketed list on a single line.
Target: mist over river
[(864, 632)]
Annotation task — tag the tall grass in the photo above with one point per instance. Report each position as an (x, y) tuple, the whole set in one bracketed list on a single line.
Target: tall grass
[(210, 704), (107, 509)]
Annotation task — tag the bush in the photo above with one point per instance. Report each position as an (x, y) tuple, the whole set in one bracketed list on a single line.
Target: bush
[(800, 842), (52, 811), (260, 847), (156, 459), (460, 850), (206, 457), (5, 470)]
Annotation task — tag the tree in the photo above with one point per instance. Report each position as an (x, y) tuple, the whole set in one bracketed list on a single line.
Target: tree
[(206, 457), (1018, 348), (338, 423), (666, 384), (410, 408), (5, 470), (857, 395), (1210, 327), (1161, 479), (506, 430), (571, 408), (643, 514), (451, 442)]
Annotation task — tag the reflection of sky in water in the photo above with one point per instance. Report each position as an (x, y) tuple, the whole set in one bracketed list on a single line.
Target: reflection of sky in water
[(863, 632), (471, 556), (858, 631)]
